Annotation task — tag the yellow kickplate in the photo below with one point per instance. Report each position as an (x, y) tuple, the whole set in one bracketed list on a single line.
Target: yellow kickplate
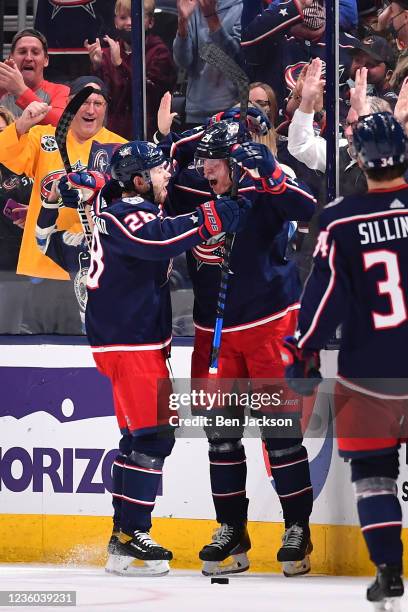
[(25, 538)]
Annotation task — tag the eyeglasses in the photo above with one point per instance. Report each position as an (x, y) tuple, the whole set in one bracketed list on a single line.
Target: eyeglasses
[(348, 124), (98, 104), (261, 103)]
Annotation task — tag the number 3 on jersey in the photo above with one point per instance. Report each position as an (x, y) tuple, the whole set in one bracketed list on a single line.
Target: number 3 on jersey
[(97, 266), (390, 286)]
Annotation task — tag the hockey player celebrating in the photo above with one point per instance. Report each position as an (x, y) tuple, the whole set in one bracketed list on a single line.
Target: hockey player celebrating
[(128, 323), (261, 305), (360, 279)]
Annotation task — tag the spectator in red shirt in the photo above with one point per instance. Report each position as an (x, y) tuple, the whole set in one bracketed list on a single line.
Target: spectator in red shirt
[(22, 77), (113, 65)]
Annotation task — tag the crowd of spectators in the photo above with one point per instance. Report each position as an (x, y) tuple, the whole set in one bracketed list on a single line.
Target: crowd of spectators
[(281, 46)]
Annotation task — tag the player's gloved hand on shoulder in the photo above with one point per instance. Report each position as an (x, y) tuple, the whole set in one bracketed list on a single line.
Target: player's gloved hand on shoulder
[(256, 120), (222, 215), (302, 370), (261, 165), (88, 183)]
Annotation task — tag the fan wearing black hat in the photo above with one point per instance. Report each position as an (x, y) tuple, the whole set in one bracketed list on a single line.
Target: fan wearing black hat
[(22, 77), (375, 54), (32, 149)]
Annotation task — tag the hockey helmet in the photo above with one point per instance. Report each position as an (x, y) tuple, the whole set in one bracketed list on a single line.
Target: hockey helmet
[(379, 141), (135, 158), (219, 138)]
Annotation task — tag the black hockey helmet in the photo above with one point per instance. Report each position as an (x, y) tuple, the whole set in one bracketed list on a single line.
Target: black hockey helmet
[(219, 138), (379, 141), (135, 158)]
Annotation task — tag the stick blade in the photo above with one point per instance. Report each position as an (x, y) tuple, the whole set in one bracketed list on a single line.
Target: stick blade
[(217, 57)]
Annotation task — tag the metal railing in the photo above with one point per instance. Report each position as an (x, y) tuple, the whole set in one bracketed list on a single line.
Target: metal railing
[(16, 22)]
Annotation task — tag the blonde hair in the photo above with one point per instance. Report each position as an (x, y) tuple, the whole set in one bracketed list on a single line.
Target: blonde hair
[(149, 6), (7, 115), (124, 6), (270, 94), (269, 140)]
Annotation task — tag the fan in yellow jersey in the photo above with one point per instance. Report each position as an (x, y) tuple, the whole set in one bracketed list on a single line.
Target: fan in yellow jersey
[(31, 149)]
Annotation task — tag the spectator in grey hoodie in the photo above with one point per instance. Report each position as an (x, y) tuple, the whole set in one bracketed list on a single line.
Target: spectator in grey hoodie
[(199, 22)]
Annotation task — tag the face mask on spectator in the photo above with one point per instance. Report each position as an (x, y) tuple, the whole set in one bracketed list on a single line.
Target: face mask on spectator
[(125, 35), (314, 16)]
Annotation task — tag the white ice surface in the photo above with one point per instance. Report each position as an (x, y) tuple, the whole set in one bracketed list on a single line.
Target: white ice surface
[(188, 591)]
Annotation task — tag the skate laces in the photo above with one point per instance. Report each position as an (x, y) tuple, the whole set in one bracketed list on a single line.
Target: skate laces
[(145, 539), (222, 535), (293, 536)]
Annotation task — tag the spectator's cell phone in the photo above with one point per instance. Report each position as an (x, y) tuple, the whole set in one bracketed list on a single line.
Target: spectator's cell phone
[(178, 105), (104, 43), (12, 212)]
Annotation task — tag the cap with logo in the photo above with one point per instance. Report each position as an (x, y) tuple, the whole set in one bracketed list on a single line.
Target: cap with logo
[(377, 48)]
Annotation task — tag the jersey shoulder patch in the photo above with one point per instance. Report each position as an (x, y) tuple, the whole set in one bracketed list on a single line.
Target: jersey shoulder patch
[(48, 143), (134, 200)]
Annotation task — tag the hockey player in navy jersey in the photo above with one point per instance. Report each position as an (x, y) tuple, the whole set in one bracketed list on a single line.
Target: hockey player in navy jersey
[(128, 323), (360, 280), (261, 306)]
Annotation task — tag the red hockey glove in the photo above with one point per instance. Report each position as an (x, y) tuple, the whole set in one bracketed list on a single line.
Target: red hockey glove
[(88, 184), (222, 215), (261, 165)]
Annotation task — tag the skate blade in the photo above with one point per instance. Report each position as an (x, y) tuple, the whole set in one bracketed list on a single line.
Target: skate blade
[(296, 568), (129, 566), (239, 564), (389, 604)]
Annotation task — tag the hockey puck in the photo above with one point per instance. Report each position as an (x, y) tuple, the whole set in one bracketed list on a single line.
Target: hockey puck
[(219, 580)]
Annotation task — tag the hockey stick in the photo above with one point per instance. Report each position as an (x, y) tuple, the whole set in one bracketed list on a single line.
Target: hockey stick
[(61, 133), (215, 56)]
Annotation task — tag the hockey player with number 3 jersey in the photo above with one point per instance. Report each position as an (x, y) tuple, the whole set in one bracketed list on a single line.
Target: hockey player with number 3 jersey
[(128, 324), (360, 280)]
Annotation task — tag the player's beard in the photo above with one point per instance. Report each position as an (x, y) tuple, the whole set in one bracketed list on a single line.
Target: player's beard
[(160, 193)]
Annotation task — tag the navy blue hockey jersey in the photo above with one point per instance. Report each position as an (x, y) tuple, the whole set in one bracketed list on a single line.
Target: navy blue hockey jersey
[(360, 279), (67, 23), (275, 57), (263, 284), (128, 293)]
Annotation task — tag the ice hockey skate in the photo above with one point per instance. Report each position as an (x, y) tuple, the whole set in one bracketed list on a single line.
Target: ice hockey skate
[(227, 541), (295, 550), (387, 589), (110, 562), (139, 555)]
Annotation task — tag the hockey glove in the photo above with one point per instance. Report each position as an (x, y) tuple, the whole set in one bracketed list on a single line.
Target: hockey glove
[(256, 120), (222, 215), (87, 183), (70, 197), (261, 166), (302, 369)]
